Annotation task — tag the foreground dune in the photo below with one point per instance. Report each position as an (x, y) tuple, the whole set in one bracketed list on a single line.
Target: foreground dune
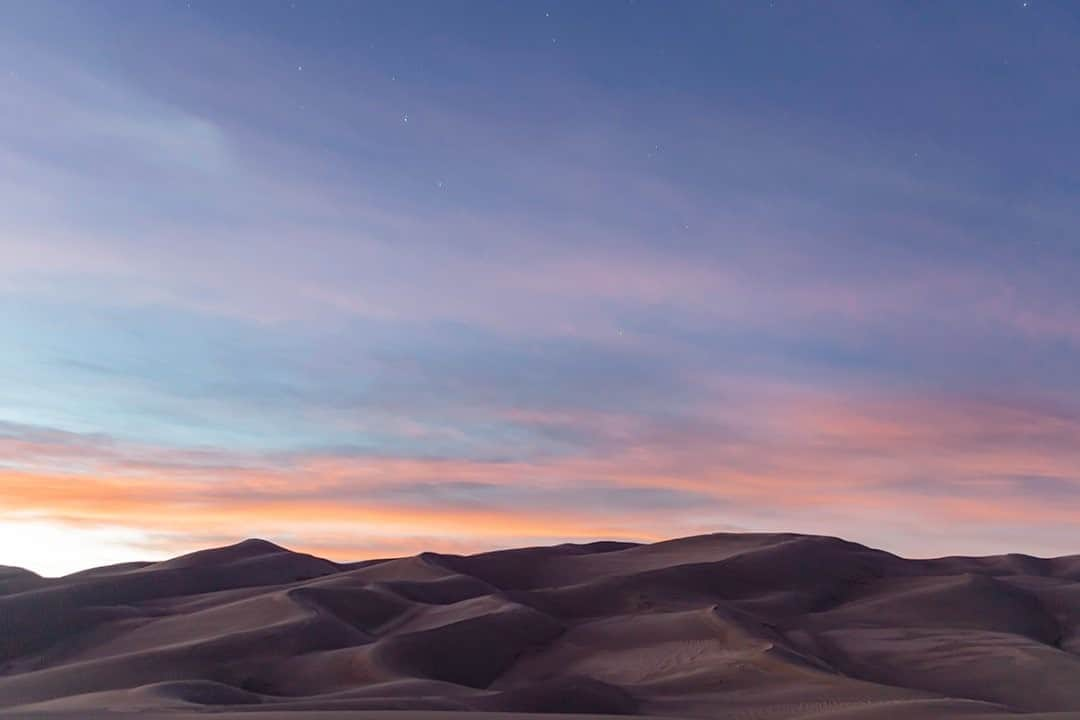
[(747, 627)]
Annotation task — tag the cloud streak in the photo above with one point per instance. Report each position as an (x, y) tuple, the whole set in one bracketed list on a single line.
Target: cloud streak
[(877, 468), (563, 300)]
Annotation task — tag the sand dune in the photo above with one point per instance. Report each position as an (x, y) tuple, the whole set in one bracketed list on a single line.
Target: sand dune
[(739, 626)]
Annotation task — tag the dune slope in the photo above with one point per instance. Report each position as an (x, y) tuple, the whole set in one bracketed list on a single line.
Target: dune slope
[(747, 626)]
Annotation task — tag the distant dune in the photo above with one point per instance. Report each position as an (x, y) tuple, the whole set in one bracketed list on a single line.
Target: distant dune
[(739, 626)]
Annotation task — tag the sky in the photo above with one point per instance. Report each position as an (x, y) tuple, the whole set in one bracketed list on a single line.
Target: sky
[(370, 278)]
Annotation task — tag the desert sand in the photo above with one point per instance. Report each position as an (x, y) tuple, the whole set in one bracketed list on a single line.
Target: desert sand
[(739, 626)]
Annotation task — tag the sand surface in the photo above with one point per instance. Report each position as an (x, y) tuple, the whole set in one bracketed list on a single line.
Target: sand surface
[(738, 626)]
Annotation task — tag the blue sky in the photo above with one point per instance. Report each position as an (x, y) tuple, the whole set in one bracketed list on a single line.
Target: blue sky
[(368, 278)]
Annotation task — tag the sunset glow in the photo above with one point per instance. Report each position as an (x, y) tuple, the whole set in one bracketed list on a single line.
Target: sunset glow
[(623, 274)]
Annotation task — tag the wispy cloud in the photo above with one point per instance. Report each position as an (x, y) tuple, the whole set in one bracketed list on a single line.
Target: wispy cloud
[(235, 281), (879, 466)]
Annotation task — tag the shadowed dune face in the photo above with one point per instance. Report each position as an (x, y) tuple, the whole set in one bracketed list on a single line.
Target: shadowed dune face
[(16, 579), (733, 626)]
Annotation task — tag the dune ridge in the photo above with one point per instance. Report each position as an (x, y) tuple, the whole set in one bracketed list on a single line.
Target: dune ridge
[(741, 626)]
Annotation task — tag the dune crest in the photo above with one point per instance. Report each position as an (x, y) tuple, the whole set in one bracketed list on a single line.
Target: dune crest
[(747, 626)]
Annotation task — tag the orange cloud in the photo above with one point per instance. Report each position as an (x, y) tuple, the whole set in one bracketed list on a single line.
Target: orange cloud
[(812, 461)]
